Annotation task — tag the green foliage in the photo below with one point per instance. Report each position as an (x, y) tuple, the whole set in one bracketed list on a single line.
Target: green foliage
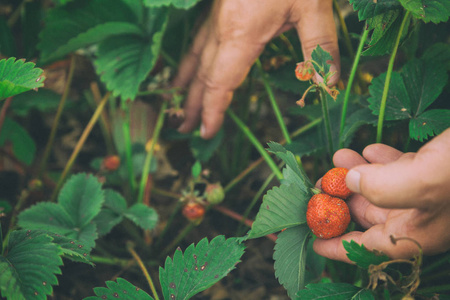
[(27, 270), (412, 91), (435, 11), (385, 29), (23, 145), (369, 8), (142, 215), (196, 169), (202, 149), (361, 256), (199, 267), (121, 289), (79, 202), (184, 4), (334, 291), (44, 100), (82, 23), (290, 258), (321, 59), (17, 76)]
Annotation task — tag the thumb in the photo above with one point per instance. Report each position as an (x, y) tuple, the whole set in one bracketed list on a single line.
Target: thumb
[(405, 183)]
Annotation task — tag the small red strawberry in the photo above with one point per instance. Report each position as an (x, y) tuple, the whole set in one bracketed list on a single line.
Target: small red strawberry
[(333, 183), (304, 71), (193, 211), (111, 162), (327, 216)]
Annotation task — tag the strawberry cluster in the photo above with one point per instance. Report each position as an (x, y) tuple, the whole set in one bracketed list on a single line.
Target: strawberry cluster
[(327, 214)]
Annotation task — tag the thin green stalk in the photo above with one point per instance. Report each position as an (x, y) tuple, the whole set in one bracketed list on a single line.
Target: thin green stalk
[(178, 239), (149, 156), (434, 289), (388, 79), (257, 144), (326, 119), (436, 264), (347, 41), (128, 150), (350, 83), (273, 102), (111, 261), (79, 145), (144, 270), (59, 112)]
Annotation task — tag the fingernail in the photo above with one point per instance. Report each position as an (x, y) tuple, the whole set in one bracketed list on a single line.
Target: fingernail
[(202, 130), (352, 180)]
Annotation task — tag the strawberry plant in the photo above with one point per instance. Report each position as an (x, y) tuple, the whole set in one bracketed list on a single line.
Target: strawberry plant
[(100, 196)]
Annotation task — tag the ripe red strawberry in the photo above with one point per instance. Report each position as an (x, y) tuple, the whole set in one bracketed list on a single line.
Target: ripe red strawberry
[(327, 216), (304, 71), (193, 211), (333, 183), (111, 162)]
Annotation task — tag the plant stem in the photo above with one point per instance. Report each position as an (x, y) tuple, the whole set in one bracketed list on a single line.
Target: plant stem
[(347, 41), (180, 237), (257, 144), (388, 79), (144, 270), (59, 112), (350, 83), (326, 119), (256, 163), (79, 145), (436, 264), (149, 156), (273, 102), (105, 124), (434, 289), (4, 110), (128, 150), (111, 261)]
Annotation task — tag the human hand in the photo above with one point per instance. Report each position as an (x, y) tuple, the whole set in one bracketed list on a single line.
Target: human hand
[(398, 194), (230, 41)]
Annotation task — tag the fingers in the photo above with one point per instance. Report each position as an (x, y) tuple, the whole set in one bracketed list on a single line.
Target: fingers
[(316, 26)]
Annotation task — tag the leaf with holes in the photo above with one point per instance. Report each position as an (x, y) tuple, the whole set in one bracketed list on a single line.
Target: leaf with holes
[(124, 61), (411, 92), (23, 145), (79, 202), (185, 4), (28, 269), (290, 258), (199, 267), (369, 8), (142, 215), (82, 23), (361, 256), (18, 76), (334, 291), (121, 289)]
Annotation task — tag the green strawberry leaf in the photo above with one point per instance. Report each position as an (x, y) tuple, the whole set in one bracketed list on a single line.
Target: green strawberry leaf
[(17, 76), (291, 256), (415, 7), (79, 202), (184, 4), (282, 207), (381, 24), (23, 145), (412, 91), (72, 249), (436, 11), (28, 269), (121, 289), (199, 267), (142, 215), (430, 123), (438, 54), (369, 8), (124, 61), (334, 291), (82, 23), (361, 256), (321, 57), (111, 213)]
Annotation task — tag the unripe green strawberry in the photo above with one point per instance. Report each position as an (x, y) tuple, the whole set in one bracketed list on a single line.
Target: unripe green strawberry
[(214, 193), (327, 216), (333, 183)]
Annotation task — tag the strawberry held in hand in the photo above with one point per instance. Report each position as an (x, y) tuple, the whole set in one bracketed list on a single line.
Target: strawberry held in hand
[(327, 216), (333, 183)]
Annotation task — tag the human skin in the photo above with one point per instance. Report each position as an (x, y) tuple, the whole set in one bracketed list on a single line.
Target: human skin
[(229, 42), (396, 194)]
